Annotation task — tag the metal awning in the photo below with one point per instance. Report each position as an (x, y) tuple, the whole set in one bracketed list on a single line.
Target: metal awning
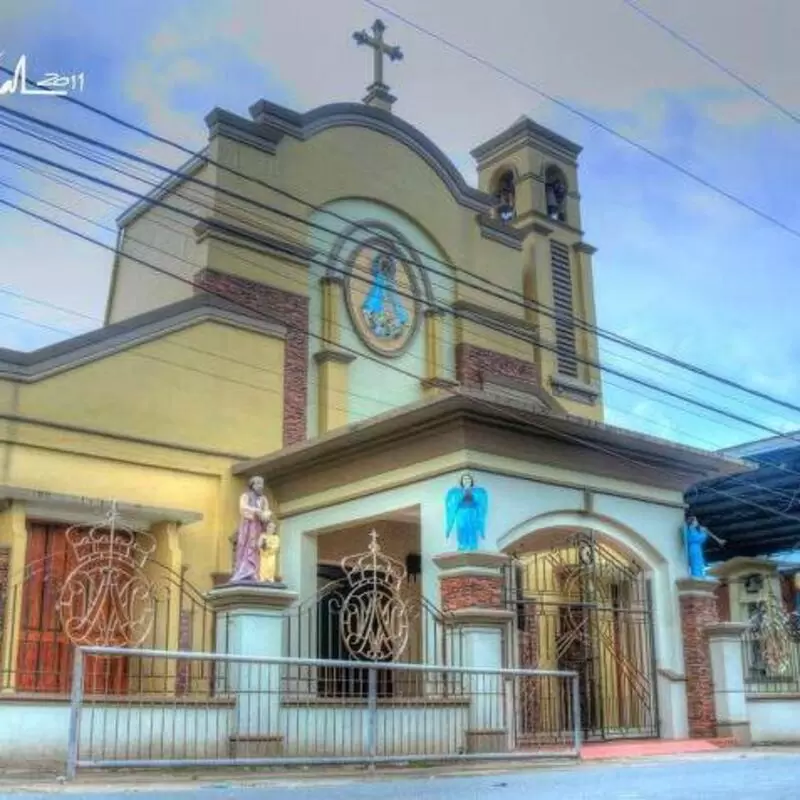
[(758, 512)]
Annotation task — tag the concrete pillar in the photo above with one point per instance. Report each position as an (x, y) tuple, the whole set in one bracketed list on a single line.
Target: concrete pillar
[(471, 580), (698, 603), (727, 668), (251, 623), (472, 598)]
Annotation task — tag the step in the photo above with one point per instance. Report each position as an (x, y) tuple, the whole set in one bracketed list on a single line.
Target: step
[(595, 751)]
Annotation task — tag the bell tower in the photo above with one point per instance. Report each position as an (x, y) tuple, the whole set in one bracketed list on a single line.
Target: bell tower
[(532, 173)]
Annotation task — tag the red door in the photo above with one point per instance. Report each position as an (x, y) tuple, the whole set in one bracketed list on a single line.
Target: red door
[(45, 656)]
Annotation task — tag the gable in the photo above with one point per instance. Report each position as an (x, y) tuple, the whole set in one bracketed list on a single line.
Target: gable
[(272, 125)]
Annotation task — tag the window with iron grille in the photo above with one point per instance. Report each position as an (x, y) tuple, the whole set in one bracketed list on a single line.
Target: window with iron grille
[(566, 352)]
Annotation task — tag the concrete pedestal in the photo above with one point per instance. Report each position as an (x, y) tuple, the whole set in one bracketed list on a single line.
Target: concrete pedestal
[(251, 625), (727, 668), (472, 596)]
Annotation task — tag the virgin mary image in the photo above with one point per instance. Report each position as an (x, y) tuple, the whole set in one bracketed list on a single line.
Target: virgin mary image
[(466, 512), (382, 309)]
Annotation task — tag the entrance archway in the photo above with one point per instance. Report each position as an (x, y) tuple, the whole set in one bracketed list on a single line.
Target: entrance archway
[(584, 604)]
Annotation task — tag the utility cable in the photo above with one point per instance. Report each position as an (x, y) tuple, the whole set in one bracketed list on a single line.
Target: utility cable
[(302, 284), (760, 93), (527, 303), (532, 420), (479, 320)]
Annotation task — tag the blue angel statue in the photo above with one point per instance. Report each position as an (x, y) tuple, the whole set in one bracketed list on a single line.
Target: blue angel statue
[(382, 309), (466, 510), (694, 538)]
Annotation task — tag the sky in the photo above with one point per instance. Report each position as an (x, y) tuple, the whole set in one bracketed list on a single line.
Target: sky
[(679, 267)]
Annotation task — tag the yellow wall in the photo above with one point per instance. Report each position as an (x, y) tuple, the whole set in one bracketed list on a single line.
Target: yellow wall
[(164, 238), (157, 425), (196, 387), (356, 162)]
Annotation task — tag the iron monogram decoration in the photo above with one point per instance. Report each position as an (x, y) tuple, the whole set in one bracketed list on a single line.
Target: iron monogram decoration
[(107, 600), (374, 618)]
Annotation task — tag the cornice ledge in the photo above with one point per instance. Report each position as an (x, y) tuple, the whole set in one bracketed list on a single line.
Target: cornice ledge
[(502, 234), (536, 227), (573, 389), (474, 558), (438, 383), (585, 248), (260, 241), (478, 312), (224, 123), (333, 356), (79, 509), (476, 615), (250, 597), (535, 216)]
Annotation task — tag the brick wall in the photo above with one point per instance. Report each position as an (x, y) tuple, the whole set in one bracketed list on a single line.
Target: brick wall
[(697, 612), (471, 591), (286, 308), (474, 364), (723, 594)]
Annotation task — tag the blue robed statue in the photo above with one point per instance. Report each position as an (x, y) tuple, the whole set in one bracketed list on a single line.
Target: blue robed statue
[(467, 506), (695, 537), (382, 309)]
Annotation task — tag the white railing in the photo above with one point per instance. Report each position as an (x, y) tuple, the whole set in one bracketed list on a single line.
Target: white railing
[(297, 711)]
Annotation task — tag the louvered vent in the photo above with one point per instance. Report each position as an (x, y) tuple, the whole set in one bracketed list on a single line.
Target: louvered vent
[(566, 353)]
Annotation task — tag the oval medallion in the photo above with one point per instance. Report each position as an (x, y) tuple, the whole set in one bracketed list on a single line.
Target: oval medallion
[(382, 298)]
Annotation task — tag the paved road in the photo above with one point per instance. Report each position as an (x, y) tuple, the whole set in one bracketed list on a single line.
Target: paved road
[(775, 776)]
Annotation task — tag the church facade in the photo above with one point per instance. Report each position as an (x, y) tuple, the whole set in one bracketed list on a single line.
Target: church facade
[(319, 299)]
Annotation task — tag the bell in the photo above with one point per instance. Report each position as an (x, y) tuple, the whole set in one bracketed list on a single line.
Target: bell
[(505, 211)]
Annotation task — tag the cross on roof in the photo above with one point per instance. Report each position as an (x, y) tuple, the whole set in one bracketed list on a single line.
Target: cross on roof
[(378, 91)]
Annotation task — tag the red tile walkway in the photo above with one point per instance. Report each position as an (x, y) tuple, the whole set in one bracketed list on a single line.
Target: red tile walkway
[(650, 747)]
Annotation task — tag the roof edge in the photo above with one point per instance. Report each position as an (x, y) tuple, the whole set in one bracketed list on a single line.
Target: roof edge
[(561, 425), (526, 128), (271, 122), (103, 342)]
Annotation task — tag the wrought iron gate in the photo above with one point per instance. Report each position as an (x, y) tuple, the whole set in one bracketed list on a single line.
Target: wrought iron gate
[(583, 606)]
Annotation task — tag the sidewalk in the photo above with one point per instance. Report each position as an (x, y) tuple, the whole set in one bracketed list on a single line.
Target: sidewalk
[(13, 779)]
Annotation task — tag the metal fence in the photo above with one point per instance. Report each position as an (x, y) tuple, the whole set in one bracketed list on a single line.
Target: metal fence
[(771, 657), (36, 655), (280, 712)]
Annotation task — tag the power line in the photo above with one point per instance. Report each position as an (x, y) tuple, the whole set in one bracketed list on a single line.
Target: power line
[(226, 358), (535, 423), (586, 117), (758, 486), (485, 322), (760, 93), (526, 303), (260, 221), (65, 310), (290, 277)]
